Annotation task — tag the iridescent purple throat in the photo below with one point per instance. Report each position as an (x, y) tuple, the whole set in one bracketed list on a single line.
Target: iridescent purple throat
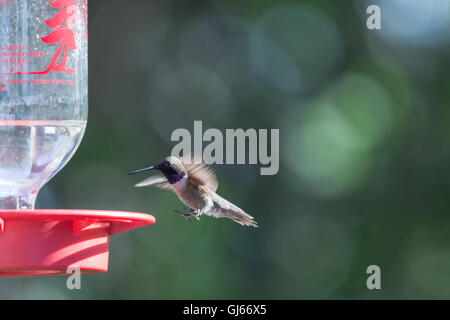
[(174, 177)]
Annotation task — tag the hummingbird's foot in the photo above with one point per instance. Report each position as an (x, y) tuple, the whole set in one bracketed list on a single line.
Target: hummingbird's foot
[(186, 215), (194, 214)]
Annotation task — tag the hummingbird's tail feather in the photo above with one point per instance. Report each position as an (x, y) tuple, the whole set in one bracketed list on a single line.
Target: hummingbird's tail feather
[(225, 209), (241, 218)]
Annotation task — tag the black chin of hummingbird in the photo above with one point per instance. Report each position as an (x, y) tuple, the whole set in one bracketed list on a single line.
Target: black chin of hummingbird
[(155, 167)]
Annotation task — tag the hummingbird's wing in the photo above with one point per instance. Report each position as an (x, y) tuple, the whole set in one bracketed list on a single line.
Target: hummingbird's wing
[(199, 173), (156, 181), (224, 209)]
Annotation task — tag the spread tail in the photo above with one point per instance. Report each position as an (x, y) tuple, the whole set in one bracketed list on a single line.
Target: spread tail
[(225, 209), (241, 218)]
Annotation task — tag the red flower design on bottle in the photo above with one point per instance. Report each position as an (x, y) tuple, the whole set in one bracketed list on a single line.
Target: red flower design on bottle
[(62, 22)]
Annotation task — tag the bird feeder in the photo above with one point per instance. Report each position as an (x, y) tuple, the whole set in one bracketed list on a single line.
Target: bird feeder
[(43, 116)]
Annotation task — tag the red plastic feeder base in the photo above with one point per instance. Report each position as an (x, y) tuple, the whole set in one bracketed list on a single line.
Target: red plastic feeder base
[(36, 243)]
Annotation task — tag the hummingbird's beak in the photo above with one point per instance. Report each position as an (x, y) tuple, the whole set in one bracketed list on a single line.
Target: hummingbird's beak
[(155, 167)]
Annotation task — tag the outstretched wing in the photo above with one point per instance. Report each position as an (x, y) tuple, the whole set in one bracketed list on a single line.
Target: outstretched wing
[(199, 173), (156, 181)]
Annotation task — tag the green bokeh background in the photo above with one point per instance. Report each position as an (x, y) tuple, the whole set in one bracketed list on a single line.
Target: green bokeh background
[(364, 123)]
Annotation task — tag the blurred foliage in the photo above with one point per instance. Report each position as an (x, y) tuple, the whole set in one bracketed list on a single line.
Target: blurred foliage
[(364, 137)]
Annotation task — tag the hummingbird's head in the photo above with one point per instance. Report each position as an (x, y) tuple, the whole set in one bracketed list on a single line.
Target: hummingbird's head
[(171, 167)]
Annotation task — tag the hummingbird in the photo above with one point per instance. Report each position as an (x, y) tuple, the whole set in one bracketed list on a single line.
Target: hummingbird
[(195, 184)]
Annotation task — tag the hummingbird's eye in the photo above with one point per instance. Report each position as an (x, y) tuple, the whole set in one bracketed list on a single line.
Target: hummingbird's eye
[(168, 163)]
